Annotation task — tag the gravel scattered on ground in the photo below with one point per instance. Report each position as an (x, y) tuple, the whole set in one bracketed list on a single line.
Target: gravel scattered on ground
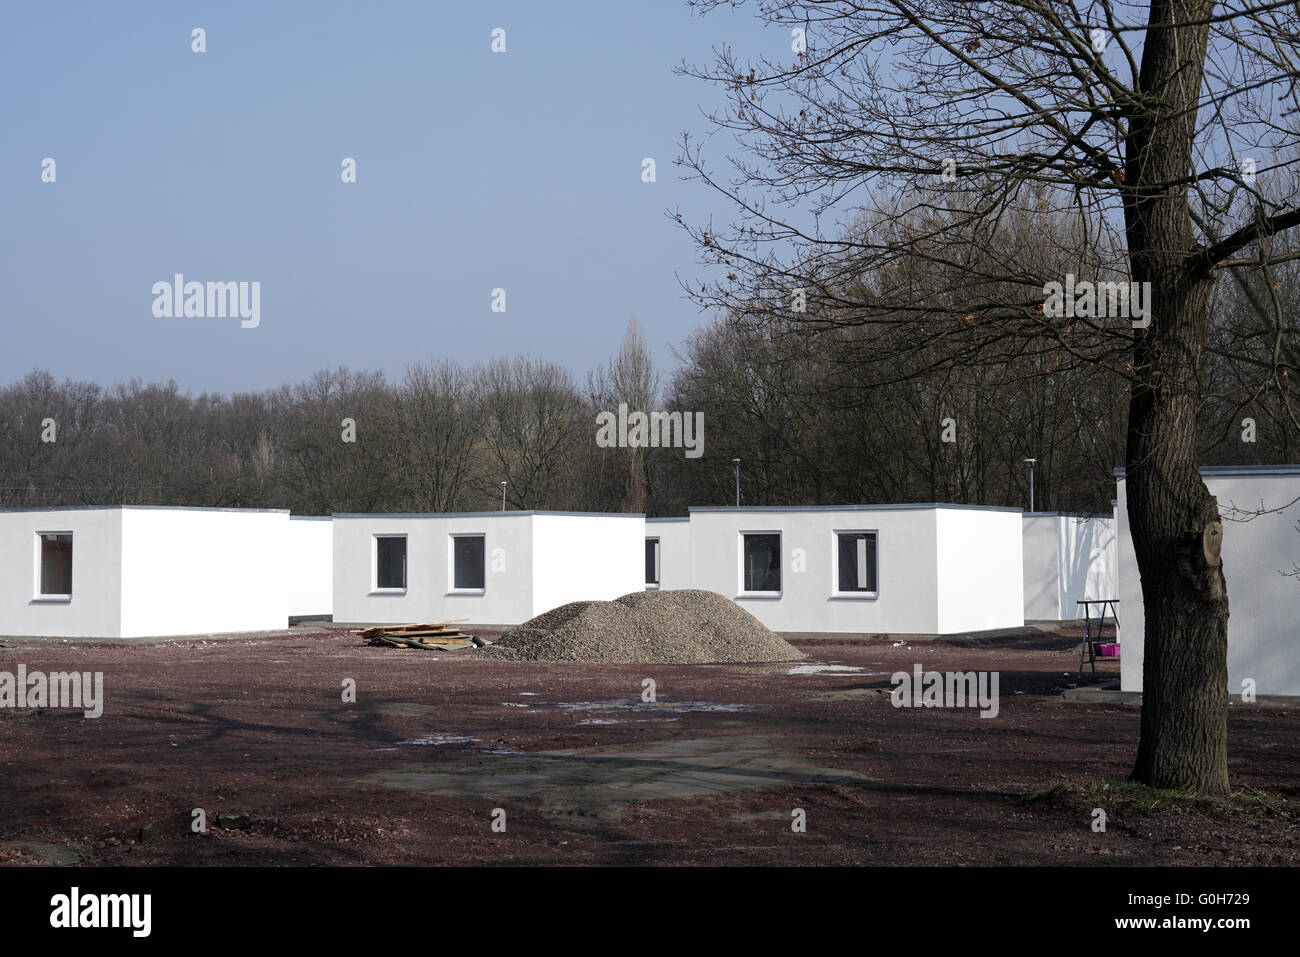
[(683, 626)]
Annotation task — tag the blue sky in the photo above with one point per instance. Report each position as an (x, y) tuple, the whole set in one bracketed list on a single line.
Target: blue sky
[(475, 170)]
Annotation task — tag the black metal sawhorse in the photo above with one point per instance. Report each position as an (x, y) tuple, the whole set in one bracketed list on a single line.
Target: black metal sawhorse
[(1091, 639)]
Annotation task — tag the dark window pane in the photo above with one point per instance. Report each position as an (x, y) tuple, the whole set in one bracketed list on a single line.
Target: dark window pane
[(652, 561), (762, 563), (391, 563), (56, 564), (468, 552), (858, 561)]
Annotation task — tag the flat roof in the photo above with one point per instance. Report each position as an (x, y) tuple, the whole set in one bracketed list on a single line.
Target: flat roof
[(675, 518), (144, 508), (1067, 514), (1239, 470), (496, 514), (851, 508)]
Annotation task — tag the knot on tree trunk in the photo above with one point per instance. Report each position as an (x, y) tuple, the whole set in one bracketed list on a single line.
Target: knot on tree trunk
[(1200, 555)]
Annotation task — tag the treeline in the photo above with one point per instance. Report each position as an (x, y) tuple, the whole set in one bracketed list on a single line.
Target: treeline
[(809, 428)]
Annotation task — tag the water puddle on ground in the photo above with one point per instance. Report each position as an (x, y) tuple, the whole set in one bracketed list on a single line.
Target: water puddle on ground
[(595, 780), (438, 739), (816, 668), (614, 707)]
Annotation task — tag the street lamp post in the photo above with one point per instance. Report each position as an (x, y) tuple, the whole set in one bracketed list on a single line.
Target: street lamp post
[(1030, 463), (736, 463), (503, 495)]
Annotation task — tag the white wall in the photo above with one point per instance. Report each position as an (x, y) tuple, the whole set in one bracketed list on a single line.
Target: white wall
[(1067, 558), (907, 600), (1088, 553), (535, 561), (508, 580), (1042, 580), (586, 558), (200, 571), (1263, 603), (980, 569), (310, 566), (95, 609), (674, 536)]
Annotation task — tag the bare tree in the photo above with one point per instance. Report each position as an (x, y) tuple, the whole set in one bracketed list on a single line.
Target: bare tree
[(629, 378), (887, 167), (529, 408), (440, 429)]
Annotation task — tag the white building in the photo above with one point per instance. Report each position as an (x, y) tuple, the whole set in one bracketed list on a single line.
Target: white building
[(136, 571), (1258, 554), (668, 553), (1068, 558), (488, 568), (902, 569), (310, 566)]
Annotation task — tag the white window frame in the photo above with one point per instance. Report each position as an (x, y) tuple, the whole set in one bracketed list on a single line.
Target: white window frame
[(835, 565), (37, 594), (451, 563), (659, 563), (374, 564), (740, 563)]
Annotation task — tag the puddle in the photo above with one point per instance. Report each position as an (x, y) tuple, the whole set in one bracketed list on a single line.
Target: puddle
[(401, 708), (515, 704), (595, 779), (614, 707), (437, 739), (625, 720), (818, 669)]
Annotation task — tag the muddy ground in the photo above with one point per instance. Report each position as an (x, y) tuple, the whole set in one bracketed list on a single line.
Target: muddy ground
[(585, 772)]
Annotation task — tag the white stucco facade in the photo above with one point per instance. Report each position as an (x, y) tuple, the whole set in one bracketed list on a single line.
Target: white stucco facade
[(674, 537), (95, 606), (939, 569), (142, 572), (1068, 558), (1263, 601), (532, 562), (311, 566)]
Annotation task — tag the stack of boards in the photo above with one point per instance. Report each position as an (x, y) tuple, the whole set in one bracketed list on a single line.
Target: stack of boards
[(435, 636)]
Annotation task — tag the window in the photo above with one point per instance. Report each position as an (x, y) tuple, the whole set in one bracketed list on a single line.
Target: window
[(390, 562), (652, 562), (762, 562), (855, 559), (468, 571), (56, 564)]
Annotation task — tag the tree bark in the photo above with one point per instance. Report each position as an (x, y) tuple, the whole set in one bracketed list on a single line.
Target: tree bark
[(1174, 519)]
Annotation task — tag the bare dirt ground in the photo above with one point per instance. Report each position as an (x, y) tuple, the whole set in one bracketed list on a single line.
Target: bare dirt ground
[(584, 770)]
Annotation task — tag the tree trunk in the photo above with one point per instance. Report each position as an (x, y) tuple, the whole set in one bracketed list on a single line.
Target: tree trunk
[(1174, 519), (1176, 536)]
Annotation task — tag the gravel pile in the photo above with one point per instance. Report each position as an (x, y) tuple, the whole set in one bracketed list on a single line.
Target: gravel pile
[(689, 626)]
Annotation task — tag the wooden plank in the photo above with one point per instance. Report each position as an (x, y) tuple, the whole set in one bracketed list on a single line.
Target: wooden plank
[(407, 629)]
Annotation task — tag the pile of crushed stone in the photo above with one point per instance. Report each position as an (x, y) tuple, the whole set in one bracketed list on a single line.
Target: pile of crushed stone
[(687, 626)]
